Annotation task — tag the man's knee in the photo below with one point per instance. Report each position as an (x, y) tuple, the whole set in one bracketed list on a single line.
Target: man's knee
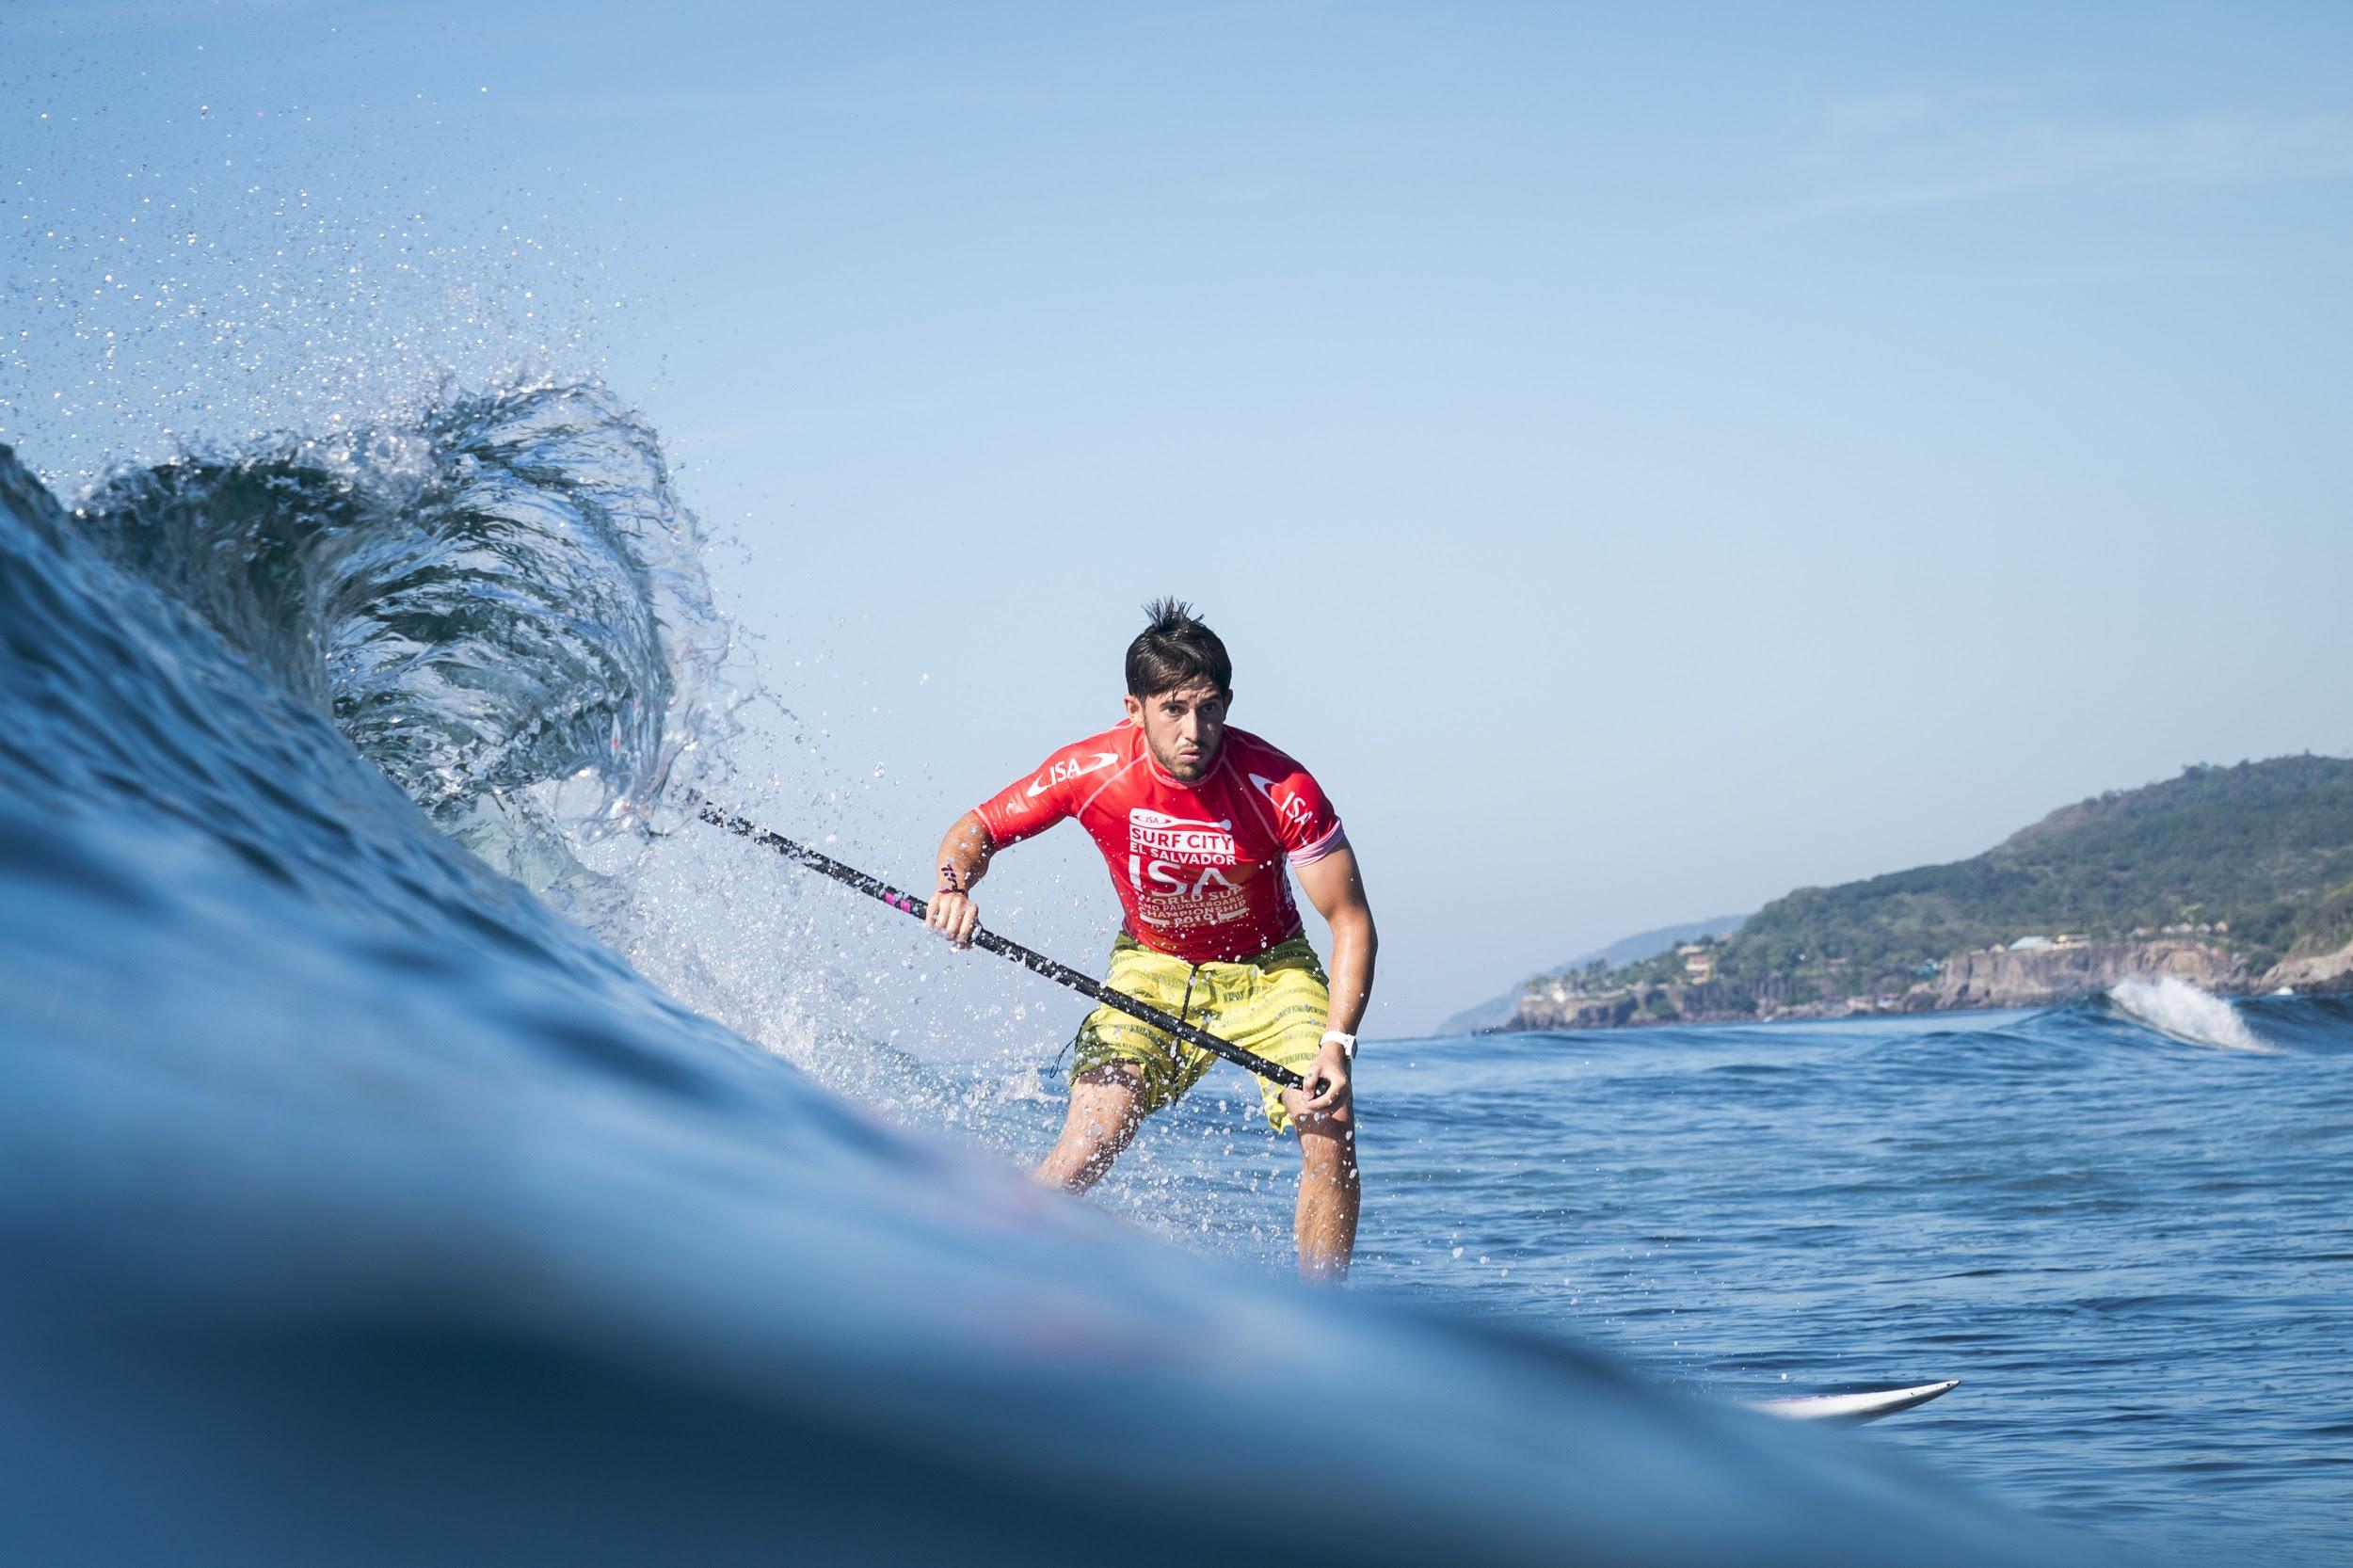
[(1106, 1105)]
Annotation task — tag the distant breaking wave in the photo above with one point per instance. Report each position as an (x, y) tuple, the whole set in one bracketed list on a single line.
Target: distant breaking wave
[(2175, 1007)]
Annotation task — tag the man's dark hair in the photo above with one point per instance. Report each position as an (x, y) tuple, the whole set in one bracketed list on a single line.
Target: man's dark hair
[(1173, 650)]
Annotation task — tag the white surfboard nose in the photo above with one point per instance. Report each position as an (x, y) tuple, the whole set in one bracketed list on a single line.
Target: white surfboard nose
[(1868, 1405)]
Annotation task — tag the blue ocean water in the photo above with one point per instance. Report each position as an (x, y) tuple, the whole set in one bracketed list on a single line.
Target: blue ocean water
[(360, 1202), (2121, 1224)]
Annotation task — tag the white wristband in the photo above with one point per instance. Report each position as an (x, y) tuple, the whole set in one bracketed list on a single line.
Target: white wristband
[(1345, 1041)]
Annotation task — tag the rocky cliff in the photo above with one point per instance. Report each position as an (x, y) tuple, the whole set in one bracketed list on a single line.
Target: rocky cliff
[(2037, 977), (2312, 971)]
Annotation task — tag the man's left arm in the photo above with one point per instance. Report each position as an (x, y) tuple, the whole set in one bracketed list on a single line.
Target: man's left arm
[(1336, 887)]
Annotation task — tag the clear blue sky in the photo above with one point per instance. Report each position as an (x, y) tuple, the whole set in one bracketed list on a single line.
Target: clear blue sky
[(1641, 461)]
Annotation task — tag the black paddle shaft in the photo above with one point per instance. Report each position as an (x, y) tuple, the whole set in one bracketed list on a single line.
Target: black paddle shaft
[(1037, 963)]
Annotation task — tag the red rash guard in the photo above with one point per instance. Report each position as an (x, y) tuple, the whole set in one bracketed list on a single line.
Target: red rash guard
[(1198, 866)]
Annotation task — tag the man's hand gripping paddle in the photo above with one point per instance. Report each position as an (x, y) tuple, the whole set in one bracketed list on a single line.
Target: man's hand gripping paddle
[(1037, 963)]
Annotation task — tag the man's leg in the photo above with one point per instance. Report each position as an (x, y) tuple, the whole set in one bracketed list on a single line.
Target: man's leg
[(1329, 1193), (1103, 1119)]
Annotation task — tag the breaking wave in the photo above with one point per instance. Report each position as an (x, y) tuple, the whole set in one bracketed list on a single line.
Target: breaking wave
[(498, 601), (2174, 1007)]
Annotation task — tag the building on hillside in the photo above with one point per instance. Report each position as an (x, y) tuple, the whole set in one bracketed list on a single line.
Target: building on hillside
[(2027, 944)]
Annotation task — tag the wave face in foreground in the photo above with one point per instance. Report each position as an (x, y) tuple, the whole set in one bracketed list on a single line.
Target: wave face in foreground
[(358, 1208)]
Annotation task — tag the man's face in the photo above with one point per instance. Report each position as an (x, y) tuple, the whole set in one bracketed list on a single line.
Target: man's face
[(1184, 727)]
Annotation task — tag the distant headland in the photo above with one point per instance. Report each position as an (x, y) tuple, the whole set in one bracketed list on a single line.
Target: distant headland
[(2238, 879)]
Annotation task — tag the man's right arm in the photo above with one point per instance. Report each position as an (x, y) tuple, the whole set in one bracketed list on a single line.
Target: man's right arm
[(963, 860), (1022, 808)]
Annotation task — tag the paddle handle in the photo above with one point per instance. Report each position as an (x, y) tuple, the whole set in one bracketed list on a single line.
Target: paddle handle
[(1036, 962)]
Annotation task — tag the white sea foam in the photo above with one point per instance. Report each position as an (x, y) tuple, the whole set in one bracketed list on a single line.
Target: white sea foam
[(2174, 1006)]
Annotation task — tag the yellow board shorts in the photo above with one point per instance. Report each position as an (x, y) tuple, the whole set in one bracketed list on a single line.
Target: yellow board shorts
[(1272, 1005)]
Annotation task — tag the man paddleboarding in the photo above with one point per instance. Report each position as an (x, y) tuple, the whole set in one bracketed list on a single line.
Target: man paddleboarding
[(1196, 821)]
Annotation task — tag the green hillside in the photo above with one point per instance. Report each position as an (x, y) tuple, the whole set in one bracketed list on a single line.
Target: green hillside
[(2257, 858)]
